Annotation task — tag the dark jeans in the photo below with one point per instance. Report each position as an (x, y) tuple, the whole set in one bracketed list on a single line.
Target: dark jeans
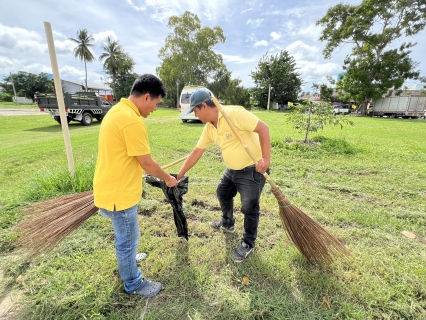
[(249, 184)]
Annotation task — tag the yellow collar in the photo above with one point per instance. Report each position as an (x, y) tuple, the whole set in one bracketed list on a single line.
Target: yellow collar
[(130, 104)]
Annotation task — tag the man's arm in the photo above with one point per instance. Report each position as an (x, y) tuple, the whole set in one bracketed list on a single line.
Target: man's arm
[(265, 144), (190, 162), (151, 167)]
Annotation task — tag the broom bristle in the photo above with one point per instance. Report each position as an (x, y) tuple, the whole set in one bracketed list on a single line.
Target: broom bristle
[(317, 245), (52, 220)]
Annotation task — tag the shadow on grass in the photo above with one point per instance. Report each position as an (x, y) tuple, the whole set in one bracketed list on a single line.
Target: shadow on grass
[(55, 127)]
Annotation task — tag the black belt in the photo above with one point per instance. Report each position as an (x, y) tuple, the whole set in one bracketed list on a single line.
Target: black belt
[(247, 168)]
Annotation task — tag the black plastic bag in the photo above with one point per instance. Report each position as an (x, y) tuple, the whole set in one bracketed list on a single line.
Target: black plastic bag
[(174, 196)]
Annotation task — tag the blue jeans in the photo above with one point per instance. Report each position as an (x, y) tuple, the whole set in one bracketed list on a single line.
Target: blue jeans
[(249, 184), (126, 233)]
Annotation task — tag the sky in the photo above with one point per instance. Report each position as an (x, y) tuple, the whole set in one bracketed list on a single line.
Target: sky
[(252, 29)]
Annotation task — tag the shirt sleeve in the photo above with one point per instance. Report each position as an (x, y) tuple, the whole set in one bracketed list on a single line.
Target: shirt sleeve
[(205, 139), (136, 139)]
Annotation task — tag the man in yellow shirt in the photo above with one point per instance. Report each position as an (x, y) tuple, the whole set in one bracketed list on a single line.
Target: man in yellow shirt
[(123, 155), (242, 175)]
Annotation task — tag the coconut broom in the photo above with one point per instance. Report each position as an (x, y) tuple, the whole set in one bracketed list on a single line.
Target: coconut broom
[(317, 245), (52, 220)]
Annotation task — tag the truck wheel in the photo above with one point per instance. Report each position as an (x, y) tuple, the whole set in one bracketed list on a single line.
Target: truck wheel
[(58, 119), (87, 119)]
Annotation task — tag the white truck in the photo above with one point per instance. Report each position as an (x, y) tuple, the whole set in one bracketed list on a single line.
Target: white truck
[(341, 109), (394, 107)]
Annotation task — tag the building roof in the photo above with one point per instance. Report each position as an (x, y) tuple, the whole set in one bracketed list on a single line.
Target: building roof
[(90, 86)]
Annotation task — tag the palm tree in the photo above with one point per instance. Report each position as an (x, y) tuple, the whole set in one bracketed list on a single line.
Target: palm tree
[(82, 51), (113, 56)]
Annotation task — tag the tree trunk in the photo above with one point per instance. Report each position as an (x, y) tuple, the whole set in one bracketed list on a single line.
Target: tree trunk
[(85, 68), (114, 88), (308, 127), (363, 109)]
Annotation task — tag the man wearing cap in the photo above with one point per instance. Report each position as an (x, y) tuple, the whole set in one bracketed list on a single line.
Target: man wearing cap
[(242, 175)]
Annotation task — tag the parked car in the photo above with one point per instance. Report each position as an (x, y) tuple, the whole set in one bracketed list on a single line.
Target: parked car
[(184, 103), (342, 109)]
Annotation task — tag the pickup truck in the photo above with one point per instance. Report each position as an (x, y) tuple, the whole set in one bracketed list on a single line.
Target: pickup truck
[(342, 109), (80, 106)]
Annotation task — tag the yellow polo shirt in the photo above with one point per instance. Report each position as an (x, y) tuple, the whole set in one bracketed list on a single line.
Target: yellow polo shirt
[(118, 175), (233, 153)]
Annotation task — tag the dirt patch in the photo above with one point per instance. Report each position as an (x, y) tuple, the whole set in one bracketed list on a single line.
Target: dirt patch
[(8, 297)]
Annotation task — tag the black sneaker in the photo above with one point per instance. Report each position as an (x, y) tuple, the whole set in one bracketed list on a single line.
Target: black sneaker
[(242, 252), (217, 225), (147, 289)]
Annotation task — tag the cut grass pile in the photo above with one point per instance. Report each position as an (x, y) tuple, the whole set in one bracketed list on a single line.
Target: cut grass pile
[(365, 184)]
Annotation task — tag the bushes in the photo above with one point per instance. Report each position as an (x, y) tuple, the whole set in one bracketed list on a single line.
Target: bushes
[(5, 97)]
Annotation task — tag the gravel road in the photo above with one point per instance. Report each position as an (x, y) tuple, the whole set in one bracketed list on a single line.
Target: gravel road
[(21, 112)]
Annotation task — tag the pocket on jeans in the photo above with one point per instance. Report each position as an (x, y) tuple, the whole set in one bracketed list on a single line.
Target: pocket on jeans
[(257, 177)]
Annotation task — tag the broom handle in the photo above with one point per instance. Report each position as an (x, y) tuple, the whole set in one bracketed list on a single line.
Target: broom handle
[(237, 134), (174, 162)]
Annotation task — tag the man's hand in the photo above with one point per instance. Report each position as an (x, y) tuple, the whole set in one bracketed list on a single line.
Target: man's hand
[(262, 165), (180, 176), (171, 181)]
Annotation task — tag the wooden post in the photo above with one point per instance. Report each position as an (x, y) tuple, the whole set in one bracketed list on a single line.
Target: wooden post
[(60, 97)]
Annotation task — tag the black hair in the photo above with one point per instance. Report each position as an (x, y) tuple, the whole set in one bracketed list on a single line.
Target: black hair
[(209, 103), (148, 83)]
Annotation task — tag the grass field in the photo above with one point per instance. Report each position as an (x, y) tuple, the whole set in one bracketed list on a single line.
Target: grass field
[(365, 184), (13, 105)]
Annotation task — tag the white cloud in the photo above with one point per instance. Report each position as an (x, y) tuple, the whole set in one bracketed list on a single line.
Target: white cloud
[(37, 68), (10, 37), (256, 23), (136, 7), (71, 71), (147, 44), (301, 51), (312, 32), (7, 40), (161, 10), (64, 47), (6, 65), (250, 9), (58, 35), (275, 35), (235, 59), (208, 15), (251, 38), (25, 48), (102, 37), (261, 43)]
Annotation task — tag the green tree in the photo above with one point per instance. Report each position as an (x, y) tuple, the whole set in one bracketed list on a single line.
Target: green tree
[(280, 72), (310, 117), (26, 84), (325, 92), (82, 50), (113, 60), (373, 66), (229, 90), (188, 54), (125, 76)]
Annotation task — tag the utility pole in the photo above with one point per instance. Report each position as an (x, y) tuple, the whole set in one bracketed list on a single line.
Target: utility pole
[(269, 95), (13, 86), (177, 93)]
